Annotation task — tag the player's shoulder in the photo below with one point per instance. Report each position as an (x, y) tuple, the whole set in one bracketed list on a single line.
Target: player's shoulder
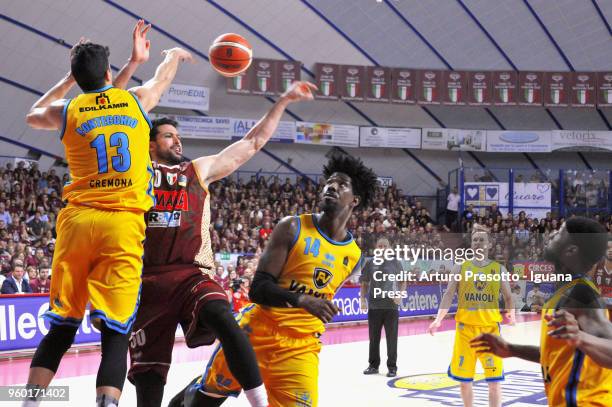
[(581, 295)]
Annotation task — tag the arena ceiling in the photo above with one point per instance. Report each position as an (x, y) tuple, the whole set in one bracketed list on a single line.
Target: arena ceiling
[(563, 35)]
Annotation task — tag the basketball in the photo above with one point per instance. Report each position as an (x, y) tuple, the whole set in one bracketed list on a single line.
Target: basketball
[(230, 54)]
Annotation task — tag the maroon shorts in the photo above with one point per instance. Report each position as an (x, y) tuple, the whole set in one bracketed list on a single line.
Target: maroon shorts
[(170, 296)]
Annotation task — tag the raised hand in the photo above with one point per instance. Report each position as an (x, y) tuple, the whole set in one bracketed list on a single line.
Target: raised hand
[(183, 55), (141, 45), (299, 91)]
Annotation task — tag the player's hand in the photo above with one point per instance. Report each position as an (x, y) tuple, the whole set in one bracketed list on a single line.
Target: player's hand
[(433, 327), (183, 55), (299, 91), (565, 327), (319, 307), (141, 45), (488, 343), (511, 315)]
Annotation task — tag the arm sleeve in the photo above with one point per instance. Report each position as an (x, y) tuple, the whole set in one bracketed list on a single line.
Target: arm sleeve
[(266, 291)]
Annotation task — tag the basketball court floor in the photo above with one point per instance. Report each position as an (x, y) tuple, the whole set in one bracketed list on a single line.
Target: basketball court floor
[(421, 381)]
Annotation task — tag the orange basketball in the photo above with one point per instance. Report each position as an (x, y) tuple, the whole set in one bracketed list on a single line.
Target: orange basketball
[(230, 54)]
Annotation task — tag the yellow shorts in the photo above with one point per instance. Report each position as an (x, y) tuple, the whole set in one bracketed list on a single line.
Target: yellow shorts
[(463, 364), (97, 259), (289, 365)]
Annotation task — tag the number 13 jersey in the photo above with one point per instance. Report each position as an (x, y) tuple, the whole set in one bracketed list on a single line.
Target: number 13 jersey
[(106, 138)]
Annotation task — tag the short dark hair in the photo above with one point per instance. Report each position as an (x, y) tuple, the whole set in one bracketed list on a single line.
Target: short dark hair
[(363, 179), (590, 237), (88, 64), (160, 122)]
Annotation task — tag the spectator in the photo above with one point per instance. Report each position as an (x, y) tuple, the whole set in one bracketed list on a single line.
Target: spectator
[(4, 215), (16, 284), (43, 283), (535, 299), (452, 208), (241, 295)]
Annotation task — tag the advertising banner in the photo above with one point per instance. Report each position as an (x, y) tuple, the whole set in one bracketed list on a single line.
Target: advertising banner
[(389, 137), (186, 97), (420, 300), (22, 327), (327, 134), (453, 139), (532, 197), (581, 140), (517, 141)]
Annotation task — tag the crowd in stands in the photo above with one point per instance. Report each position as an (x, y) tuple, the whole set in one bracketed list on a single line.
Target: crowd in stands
[(29, 204), (243, 214)]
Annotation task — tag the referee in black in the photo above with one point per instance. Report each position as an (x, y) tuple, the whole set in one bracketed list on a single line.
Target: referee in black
[(381, 311)]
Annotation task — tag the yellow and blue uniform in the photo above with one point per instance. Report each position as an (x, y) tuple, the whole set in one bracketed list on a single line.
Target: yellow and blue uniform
[(571, 378), (286, 340), (477, 313), (99, 248)]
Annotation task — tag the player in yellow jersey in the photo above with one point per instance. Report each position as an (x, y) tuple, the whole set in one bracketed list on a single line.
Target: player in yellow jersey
[(575, 349), (98, 253), (305, 262), (478, 293)]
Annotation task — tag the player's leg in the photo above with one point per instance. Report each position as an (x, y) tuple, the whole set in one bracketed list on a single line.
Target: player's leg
[(217, 316), (293, 373), (205, 300), (495, 394), (391, 322), (113, 366), (467, 393), (152, 339), (67, 298), (114, 292), (493, 368), (375, 323), (463, 363)]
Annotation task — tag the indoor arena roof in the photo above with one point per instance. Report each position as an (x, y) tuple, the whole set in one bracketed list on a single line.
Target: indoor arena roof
[(564, 35)]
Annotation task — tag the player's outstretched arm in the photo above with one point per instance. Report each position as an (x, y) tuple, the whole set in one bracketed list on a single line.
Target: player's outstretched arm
[(46, 112), (445, 303), (587, 329), (150, 92), (488, 343), (140, 54), (214, 167)]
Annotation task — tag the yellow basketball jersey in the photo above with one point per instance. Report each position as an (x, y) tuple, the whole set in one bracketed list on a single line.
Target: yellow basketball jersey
[(570, 377), (316, 266), (478, 298), (106, 138)]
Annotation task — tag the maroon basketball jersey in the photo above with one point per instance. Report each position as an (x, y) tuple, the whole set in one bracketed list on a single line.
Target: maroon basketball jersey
[(603, 279), (177, 226)]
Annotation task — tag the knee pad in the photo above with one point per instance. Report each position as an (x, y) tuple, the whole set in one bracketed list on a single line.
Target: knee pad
[(53, 346)]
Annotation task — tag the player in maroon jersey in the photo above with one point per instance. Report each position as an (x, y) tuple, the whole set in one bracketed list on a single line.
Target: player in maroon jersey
[(602, 277), (177, 284)]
